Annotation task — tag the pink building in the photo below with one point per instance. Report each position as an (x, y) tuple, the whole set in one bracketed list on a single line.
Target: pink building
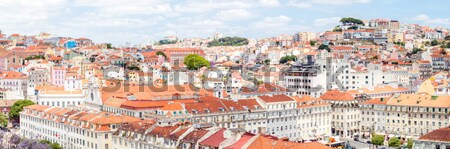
[(58, 74)]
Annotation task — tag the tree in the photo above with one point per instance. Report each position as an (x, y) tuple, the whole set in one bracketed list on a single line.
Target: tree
[(133, 67), (194, 62), (447, 37), (410, 144), (377, 139), (434, 42), (3, 120), (109, 46), (267, 61), (337, 29), (52, 145), (287, 58), (351, 20), (324, 47), (448, 45), (165, 41), (312, 42), (416, 50), (161, 53), (394, 142), (33, 57), (229, 41), (17, 107)]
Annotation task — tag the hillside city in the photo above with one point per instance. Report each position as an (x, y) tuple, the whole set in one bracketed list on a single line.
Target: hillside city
[(361, 84)]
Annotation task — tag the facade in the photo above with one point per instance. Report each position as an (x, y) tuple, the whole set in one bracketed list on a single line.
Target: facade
[(307, 79), (346, 115), (71, 128), (436, 139), (405, 115), (15, 83)]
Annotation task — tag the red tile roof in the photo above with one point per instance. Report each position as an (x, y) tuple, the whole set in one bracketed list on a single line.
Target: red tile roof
[(215, 139), (442, 134), (337, 95)]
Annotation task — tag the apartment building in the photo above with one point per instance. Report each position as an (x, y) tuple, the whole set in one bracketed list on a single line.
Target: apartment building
[(15, 83), (345, 115), (405, 115), (71, 128)]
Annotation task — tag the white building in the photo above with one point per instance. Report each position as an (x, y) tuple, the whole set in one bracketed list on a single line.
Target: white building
[(71, 128), (405, 115)]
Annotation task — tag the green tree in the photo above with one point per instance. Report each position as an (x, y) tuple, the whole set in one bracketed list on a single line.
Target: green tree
[(165, 41), (434, 42), (109, 46), (352, 20), (3, 120), (416, 50), (133, 67), (324, 47), (52, 145), (394, 142), (287, 58), (448, 45), (33, 57), (410, 144), (447, 37), (267, 61), (17, 107), (377, 139), (337, 29), (161, 53), (312, 42), (229, 41), (194, 62)]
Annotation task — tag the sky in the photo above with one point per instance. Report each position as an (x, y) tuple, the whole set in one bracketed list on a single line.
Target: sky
[(143, 21)]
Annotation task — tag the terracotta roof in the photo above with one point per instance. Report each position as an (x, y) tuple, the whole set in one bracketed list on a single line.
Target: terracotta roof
[(442, 134), (171, 106), (420, 99), (13, 75), (163, 131), (194, 136), (337, 95), (241, 142), (377, 101), (215, 139), (269, 142)]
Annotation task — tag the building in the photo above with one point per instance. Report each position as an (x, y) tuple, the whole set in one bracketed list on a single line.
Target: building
[(306, 79), (71, 128), (436, 139), (405, 115), (345, 115), (15, 82), (424, 68)]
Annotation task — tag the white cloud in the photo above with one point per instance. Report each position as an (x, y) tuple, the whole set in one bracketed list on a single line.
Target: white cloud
[(326, 21), (310, 3), (234, 14), (198, 6), (269, 3), (421, 17), (340, 2), (272, 22), (124, 7), (299, 4)]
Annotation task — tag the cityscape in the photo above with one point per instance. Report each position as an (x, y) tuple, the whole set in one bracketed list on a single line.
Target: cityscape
[(213, 74)]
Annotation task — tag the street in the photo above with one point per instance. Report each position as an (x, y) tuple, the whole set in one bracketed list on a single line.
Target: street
[(357, 145)]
